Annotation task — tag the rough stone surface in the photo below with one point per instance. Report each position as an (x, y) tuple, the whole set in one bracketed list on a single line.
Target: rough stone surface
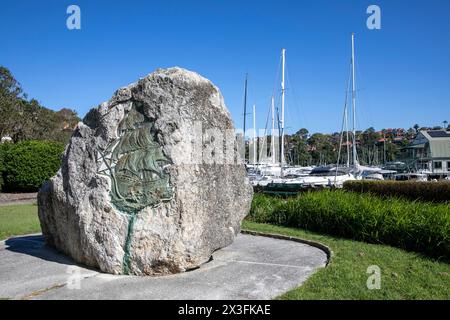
[(208, 197)]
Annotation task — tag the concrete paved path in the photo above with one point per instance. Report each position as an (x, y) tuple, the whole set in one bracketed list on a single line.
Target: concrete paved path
[(253, 267), (7, 199)]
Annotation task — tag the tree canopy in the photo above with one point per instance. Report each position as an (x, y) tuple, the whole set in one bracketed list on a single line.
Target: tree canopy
[(24, 119)]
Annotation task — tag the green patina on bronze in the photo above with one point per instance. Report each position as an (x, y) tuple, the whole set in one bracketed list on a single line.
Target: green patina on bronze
[(127, 249), (135, 163)]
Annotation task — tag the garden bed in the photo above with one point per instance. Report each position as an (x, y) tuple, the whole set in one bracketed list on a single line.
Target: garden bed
[(416, 226)]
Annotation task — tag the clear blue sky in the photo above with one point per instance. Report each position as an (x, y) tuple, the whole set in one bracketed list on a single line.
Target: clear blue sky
[(403, 69)]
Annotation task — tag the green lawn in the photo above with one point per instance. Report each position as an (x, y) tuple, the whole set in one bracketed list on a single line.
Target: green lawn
[(18, 220), (404, 275)]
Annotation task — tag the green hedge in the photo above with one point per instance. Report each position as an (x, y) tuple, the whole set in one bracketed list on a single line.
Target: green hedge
[(3, 147), (412, 190), (28, 164), (421, 227)]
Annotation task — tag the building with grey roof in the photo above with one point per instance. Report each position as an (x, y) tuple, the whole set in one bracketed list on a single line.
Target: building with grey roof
[(429, 151)]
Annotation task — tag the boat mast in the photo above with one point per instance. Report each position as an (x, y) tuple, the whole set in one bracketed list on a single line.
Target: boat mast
[(245, 100), (254, 135), (347, 138), (273, 131), (283, 55), (245, 110), (355, 156), (345, 124)]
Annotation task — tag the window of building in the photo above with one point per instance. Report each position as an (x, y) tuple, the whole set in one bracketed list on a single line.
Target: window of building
[(448, 165), (438, 164)]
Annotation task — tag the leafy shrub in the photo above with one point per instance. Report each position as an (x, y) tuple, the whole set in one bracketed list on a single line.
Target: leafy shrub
[(416, 226), (28, 164), (2, 152), (413, 190)]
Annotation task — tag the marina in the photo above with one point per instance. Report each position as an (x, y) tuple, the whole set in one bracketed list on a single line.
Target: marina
[(271, 173)]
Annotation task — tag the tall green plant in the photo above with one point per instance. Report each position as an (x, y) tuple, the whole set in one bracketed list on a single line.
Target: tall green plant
[(416, 226)]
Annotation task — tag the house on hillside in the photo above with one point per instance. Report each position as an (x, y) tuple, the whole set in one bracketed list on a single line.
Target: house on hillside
[(6, 139), (430, 152)]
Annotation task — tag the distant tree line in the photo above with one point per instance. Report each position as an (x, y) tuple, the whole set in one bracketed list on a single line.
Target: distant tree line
[(26, 119), (33, 137), (373, 147)]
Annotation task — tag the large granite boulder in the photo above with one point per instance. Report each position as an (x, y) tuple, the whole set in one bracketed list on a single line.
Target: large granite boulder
[(151, 182)]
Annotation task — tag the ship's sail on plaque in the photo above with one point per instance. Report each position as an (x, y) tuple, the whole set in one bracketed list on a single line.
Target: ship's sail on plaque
[(136, 165)]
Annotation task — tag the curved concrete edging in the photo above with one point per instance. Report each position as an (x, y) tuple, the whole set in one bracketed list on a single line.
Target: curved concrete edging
[(315, 244)]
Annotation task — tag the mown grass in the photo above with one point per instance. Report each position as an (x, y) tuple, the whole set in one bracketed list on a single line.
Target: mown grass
[(404, 275), (417, 226), (18, 220)]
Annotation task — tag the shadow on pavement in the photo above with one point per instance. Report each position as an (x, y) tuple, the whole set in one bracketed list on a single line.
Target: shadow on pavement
[(35, 246)]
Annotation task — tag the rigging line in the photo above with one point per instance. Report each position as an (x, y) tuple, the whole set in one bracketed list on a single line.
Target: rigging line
[(344, 122), (245, 100), (366, 114), (346, 114), (267, 120), (297, 102), (347, 94), (244, 92), (265, 130), (279, 129), (287, 88), (275, 83), (265, 135), (276, 98), (276, 76)]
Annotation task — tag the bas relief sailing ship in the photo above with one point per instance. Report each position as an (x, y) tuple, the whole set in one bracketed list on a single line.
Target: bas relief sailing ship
[(136, 166)]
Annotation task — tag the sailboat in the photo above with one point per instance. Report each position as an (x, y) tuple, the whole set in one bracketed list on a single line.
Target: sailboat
[(358, 171), (264, 171), (325, 176), (336, 176)]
